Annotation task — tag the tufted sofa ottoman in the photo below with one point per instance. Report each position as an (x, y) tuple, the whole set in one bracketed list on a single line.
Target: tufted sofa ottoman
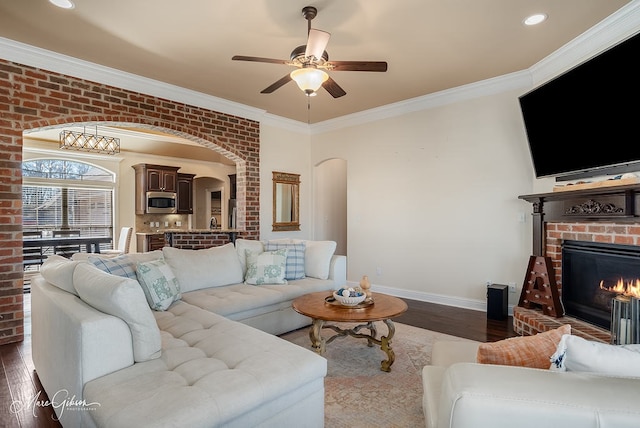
[(212, 372)]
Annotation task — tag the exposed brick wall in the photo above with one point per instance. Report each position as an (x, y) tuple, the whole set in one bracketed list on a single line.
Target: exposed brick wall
[(32, 98), (197, 241)]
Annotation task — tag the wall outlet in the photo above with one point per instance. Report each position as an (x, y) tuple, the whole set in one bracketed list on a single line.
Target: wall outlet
[(512, 287), (378, 271)]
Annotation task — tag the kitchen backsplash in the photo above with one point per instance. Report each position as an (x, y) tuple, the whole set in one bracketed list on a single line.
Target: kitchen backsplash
[(149, 223)]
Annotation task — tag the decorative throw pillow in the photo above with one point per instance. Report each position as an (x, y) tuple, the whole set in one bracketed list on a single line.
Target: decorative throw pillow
[(575, 354), (525, 351), (159, 284), (266, 268), (122, 265), (295, 257)]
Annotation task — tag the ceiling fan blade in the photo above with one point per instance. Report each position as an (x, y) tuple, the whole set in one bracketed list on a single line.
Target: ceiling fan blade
[(333, 88), (258, 59), (358, 65), (286, 79), (316, 43)]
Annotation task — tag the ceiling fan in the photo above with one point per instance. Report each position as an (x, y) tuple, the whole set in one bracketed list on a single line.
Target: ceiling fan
[(311, 61)]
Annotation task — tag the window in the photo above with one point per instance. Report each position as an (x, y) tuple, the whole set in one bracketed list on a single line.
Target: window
[(65, 194)]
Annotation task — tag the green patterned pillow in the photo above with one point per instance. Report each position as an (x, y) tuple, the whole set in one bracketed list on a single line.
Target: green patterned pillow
[(159, 284), (268, 267)]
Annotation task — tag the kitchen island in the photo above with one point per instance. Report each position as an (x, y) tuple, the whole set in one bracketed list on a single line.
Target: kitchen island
[(194, 239)]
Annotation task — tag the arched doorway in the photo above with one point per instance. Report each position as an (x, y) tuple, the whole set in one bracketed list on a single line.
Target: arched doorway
[(330, 203)]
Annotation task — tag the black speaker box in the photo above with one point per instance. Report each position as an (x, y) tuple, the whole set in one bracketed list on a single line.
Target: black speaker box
[(497, 299)]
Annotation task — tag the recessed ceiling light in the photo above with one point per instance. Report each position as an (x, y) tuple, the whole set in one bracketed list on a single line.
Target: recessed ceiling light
[(535, 19), (64, 4)]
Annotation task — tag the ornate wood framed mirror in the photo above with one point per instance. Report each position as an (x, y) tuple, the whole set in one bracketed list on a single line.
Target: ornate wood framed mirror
[(286, 197)]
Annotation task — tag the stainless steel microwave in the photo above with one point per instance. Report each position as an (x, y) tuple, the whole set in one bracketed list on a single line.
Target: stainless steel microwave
[(161, 203)]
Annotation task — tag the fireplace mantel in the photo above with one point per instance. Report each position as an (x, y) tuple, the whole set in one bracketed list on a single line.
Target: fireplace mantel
[(618, 204)]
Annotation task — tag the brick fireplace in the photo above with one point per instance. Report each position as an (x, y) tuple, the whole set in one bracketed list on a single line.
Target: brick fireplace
[(604, 215)]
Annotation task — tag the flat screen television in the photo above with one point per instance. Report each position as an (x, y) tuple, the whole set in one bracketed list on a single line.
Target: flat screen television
[(586, 122)]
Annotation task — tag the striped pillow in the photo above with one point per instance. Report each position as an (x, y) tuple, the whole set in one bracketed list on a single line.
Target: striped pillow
[(121, 266), (295, 257)]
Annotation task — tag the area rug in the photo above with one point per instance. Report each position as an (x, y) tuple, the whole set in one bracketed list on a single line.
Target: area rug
[(358, 394)]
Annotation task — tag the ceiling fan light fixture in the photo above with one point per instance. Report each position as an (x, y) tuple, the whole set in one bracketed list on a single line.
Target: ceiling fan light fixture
[(309, 80)]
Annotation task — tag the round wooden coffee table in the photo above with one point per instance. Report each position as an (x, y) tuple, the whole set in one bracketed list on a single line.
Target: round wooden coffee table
[(321, 307)]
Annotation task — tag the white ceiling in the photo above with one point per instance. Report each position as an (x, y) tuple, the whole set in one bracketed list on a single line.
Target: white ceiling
[(430, 45)]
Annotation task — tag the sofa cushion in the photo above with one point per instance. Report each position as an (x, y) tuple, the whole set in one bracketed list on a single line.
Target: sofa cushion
[(580, 355), (244, 299), (160, 286), (121, 265), (212, 372), (122, 298), (317, 258), (247, 244), (136, 257), (268, 267), (209, 267), (295, 257), (58, 271), (526, 351)]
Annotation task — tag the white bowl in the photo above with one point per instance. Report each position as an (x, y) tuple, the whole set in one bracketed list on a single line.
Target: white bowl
[(349, 301)]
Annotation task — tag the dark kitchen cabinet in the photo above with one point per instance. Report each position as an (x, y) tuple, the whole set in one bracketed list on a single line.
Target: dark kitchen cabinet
[(185, 193), (146, 242), (153, 178), (162, 179)]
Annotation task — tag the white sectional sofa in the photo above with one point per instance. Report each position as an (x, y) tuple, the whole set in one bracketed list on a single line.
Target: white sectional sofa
[(207, 356)]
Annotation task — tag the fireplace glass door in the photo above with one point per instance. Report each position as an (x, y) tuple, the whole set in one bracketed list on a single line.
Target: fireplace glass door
[(592, 274)]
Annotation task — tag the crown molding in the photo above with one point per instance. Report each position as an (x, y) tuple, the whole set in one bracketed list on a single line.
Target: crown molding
[(21, 53), (512, 81), (617, 27)]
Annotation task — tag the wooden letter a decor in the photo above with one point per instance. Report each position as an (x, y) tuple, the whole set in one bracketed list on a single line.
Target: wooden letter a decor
[(539, 288)]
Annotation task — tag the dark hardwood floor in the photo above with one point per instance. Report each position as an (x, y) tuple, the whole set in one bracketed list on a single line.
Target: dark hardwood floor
[(20, 384), (460, 322)]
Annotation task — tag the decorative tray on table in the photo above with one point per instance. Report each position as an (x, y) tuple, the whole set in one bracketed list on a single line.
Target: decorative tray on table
[(332, 301)]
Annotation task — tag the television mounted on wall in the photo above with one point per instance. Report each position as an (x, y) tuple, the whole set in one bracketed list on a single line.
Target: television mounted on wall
[(586, 122)]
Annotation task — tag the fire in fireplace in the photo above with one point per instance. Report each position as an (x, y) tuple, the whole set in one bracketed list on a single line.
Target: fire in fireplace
[(593, 274)]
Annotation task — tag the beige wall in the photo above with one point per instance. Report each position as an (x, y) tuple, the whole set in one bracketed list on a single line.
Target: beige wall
[(285, 151), (433, 208)]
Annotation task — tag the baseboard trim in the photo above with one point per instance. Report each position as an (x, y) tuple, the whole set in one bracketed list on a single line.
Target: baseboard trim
[(458, 302)]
